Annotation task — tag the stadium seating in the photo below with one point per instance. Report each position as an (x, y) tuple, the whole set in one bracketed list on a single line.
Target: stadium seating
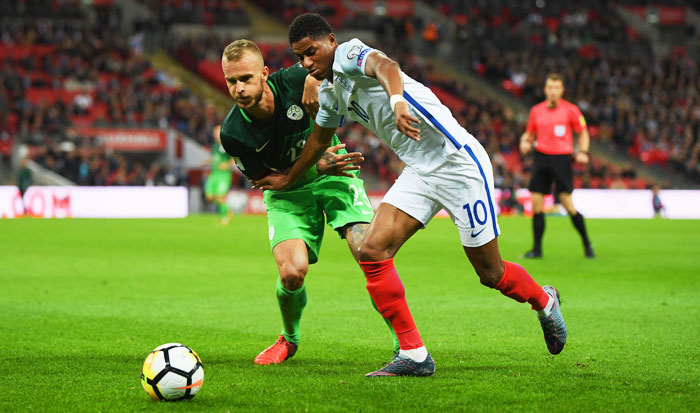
[(51, 83), (606, 69), (211, 12)]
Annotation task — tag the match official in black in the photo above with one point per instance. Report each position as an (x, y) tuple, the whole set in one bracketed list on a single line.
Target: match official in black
[(550, 129)]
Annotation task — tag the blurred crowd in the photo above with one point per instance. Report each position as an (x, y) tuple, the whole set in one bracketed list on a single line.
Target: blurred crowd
[(57, 74), (85, 163), (645, 105), (207, 12)]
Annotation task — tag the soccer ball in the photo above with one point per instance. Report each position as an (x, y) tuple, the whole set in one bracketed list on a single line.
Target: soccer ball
[(172, 372)]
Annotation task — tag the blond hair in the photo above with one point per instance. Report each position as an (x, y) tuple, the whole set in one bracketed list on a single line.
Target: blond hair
[(235, 50)]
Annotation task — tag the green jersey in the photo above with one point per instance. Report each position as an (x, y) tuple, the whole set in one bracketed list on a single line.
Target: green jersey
[(219, 157), (260, 147)]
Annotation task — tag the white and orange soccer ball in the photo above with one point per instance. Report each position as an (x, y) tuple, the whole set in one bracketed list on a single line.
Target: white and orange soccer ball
[(172, 372)]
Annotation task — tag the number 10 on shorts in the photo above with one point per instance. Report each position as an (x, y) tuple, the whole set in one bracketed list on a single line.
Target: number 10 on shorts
[(476, 213)]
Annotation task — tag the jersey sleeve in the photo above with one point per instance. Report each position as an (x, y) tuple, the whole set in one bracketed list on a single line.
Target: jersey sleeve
[(531, 122), (578, 122), (327, 116), (352, 57), (246, 160)]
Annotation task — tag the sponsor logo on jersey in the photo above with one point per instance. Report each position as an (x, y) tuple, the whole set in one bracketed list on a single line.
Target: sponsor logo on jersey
[(361, 57), (295, 113), (354, 51), (582, 120)]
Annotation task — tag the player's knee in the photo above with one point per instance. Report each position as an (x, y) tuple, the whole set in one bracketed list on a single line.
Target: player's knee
[(489, 274), (292, 275), (368, 252)]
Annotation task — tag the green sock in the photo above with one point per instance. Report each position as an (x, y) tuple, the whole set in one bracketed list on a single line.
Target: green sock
[(291, 304), (391, 329), (223, 209)]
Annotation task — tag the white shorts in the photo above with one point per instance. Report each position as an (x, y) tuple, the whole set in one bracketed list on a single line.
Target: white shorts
[(463, 186)]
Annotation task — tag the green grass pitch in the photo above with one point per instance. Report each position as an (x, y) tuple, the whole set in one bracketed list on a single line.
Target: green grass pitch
[(84, 301)]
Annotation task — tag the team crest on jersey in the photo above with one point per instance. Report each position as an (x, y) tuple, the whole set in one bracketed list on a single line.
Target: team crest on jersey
[(295, 113), (343, 82), (354, 51)]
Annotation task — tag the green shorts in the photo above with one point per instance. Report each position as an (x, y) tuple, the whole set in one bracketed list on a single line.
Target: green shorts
[(217, 184), (298, 213)]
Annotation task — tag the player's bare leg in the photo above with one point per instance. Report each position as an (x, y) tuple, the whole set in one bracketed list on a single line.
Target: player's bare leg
[(577, 220), (354, 233), (293, 263), (513, 281), (537, 225), (388, 231)]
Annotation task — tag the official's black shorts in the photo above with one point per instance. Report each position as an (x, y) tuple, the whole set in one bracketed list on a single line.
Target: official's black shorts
[(552, 169)]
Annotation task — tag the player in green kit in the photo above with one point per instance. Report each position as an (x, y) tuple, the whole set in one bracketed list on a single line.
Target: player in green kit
[(219, 180), (265, 132)]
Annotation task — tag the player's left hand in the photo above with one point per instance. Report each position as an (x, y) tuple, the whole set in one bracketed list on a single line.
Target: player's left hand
[(332, 163), (581, 157), (310, 97), (404, 121), (274, 181)]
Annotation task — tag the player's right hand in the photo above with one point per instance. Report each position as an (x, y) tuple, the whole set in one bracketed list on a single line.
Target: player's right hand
[(404, 121)]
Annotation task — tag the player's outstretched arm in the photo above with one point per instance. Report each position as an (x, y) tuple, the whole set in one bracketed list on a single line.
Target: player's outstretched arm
[(317, 143), (388, 73)]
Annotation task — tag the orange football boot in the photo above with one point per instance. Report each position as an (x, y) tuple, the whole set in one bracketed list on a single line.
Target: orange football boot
[(276, 353)]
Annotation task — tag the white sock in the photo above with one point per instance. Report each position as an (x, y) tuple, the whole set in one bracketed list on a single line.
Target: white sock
[(547, 310), (416, 354)]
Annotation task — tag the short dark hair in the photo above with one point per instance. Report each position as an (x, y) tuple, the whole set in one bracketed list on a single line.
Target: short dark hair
[(309, 24), (555, 77)]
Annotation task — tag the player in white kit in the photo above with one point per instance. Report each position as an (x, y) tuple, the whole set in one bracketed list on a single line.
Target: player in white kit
[(446, 167)]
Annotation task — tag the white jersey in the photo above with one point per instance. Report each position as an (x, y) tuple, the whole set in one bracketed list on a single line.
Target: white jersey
[(363, 99)]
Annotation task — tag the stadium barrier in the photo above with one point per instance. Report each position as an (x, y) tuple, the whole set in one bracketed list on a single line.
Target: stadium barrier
[(172, 202), (128, 139), (592, 203), (94, 202)]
